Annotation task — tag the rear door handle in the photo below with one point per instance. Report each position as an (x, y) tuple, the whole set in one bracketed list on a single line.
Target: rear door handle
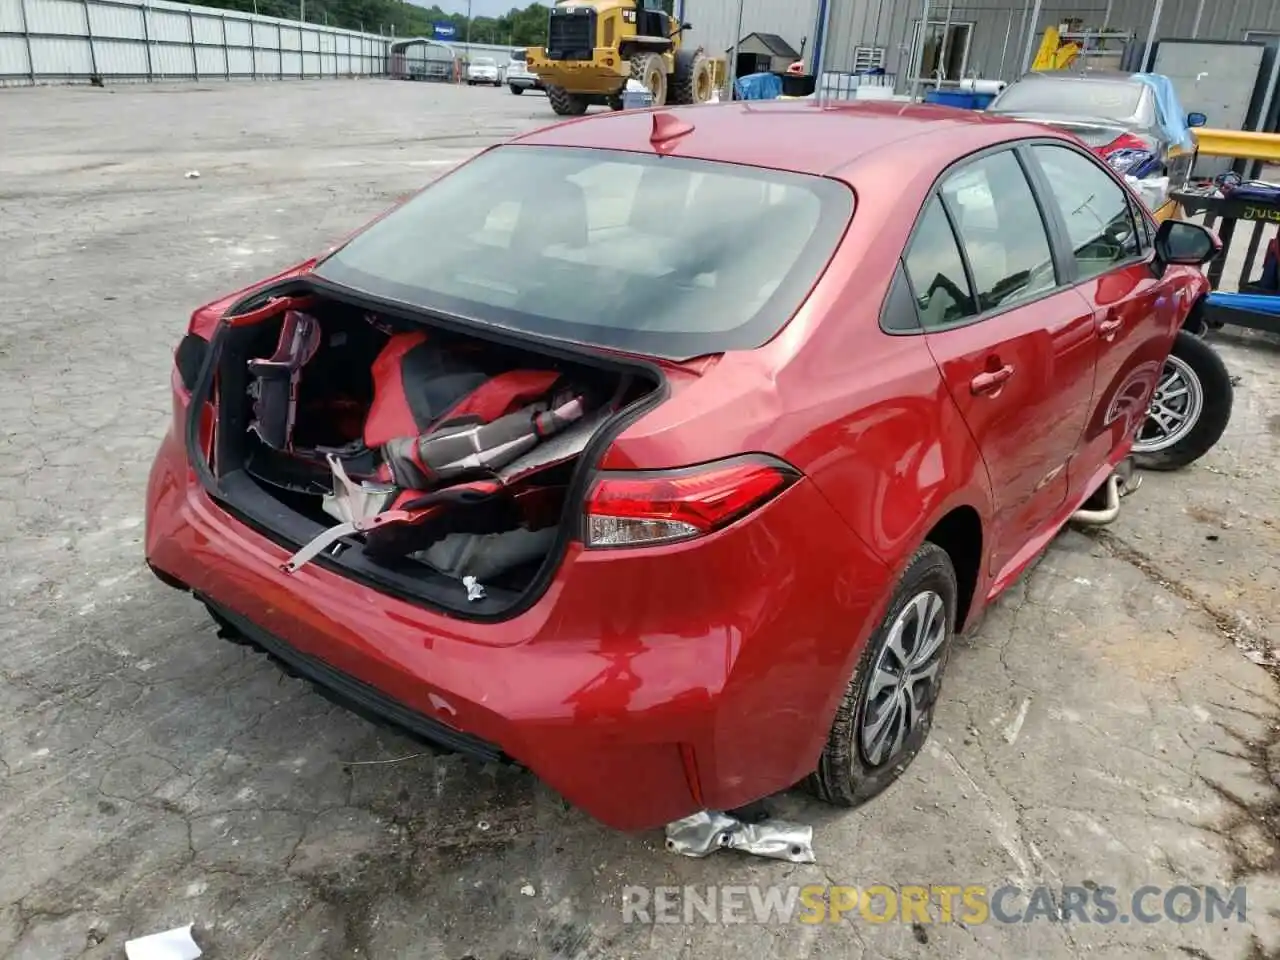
[(990, 381), (1108, 328)]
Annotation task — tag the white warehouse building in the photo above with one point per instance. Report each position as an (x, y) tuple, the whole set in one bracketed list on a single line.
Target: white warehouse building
[(991, 39)]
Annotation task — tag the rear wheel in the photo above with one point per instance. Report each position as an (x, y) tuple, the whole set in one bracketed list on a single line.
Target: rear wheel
[(566, 104), (517, 90), (651, 71), (692, 82), (1190, 408), (887, 710)]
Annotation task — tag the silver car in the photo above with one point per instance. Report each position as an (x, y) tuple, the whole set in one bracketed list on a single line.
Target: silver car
[(519, 79), (483, 70), (1107, 110)]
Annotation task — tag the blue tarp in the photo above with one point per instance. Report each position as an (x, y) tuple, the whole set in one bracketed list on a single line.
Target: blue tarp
[(759, 86), (1253, 302), (1173, 119)]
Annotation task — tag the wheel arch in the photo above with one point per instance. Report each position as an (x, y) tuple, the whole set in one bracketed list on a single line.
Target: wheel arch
[(960, 534), (1195, 322)]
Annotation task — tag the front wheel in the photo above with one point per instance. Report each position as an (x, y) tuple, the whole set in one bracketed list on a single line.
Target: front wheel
[(517, 90), (1190, 408), (887, 710)]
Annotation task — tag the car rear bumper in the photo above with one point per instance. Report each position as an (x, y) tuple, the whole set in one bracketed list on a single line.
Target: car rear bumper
[(641, 686), (527, 83)]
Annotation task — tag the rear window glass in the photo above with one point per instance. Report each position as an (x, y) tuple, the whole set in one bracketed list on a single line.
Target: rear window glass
[(658, 255), (1071, 98)]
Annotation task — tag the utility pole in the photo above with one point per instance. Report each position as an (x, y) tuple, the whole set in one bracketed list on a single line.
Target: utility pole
[(468, 29), (733, 61), (302, 10)]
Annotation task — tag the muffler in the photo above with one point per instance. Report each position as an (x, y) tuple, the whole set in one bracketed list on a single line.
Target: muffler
[(1124, 480)]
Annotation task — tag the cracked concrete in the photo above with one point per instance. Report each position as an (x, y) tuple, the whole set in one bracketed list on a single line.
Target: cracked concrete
[(1111, 723)]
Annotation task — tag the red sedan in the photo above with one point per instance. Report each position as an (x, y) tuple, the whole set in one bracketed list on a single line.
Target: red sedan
[(665, 452)]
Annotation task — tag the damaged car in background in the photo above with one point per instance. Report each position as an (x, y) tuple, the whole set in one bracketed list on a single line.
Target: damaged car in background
[(665, 453)]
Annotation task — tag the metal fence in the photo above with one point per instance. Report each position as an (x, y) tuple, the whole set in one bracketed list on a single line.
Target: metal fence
[(61, 41)]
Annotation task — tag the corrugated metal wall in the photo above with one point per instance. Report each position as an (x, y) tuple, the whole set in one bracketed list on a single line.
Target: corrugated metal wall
[(76, 40), (714, 22), (890, 24)]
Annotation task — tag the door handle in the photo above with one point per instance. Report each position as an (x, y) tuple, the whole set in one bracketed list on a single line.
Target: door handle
[(1108, 328), (990, 381)]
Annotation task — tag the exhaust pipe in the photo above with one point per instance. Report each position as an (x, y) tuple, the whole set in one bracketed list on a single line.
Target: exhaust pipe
[(1124, 480), (1111, 510)]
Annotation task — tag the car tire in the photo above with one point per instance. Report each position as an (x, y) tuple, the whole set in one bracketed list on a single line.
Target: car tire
[(1195, 367), (516, 91), (913, 640)]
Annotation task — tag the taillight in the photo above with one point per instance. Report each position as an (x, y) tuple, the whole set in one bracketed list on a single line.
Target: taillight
[(644, 508), (1126, 141), (1131, 154)]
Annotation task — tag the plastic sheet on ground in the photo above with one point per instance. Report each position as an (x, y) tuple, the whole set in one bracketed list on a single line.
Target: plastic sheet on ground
[(175, 944)]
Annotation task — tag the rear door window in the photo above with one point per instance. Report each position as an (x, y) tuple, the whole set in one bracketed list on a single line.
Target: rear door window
[(1001, 231)]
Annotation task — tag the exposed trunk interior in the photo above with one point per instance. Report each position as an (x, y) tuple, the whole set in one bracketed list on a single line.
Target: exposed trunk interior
[(329, 414)]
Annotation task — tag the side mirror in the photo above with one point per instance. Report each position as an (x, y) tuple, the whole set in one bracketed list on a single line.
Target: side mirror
[(1196, 119), (1183, 242), (686, 25)]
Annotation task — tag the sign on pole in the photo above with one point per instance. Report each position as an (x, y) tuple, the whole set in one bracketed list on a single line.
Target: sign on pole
[(444, 31)]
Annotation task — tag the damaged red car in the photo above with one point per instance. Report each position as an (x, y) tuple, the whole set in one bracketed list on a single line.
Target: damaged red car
[(665, 452)]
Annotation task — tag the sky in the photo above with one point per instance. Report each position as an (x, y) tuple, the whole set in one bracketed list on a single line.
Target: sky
[(479, 8)]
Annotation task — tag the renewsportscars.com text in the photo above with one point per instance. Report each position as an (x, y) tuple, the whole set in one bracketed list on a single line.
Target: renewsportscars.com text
[(969, 904)]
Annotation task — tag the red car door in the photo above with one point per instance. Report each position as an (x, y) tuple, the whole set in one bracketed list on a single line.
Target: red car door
[(1016, 348), (1135, 312)]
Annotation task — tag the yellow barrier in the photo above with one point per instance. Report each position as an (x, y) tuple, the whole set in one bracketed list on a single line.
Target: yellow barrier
[(1238, 143)]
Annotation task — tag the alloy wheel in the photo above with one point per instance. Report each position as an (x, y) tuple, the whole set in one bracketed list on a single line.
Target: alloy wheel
[(904, 682), (1175, 408)]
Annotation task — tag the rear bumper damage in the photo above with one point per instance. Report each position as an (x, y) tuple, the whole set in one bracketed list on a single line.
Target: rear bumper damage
[(643, 686)]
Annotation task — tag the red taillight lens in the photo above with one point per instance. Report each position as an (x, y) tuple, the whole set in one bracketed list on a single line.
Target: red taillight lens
[(636, 509)]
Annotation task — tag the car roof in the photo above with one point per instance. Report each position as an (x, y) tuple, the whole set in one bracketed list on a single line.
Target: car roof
[(803, 135)]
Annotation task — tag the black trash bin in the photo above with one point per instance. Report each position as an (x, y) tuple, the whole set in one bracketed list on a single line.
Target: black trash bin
[(797, 86)]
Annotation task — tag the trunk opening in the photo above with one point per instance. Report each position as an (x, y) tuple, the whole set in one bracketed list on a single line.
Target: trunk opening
[(475, 450)]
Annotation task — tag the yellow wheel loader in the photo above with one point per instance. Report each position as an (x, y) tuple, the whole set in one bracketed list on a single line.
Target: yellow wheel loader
[(595, 46)]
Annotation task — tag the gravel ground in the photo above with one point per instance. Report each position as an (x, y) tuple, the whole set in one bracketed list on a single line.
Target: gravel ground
[(1107, 726)]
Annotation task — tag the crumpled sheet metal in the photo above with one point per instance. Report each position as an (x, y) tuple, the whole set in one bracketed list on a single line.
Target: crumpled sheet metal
[(703, 833)]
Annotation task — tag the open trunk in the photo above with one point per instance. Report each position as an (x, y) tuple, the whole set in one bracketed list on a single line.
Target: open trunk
[(433, 464)]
